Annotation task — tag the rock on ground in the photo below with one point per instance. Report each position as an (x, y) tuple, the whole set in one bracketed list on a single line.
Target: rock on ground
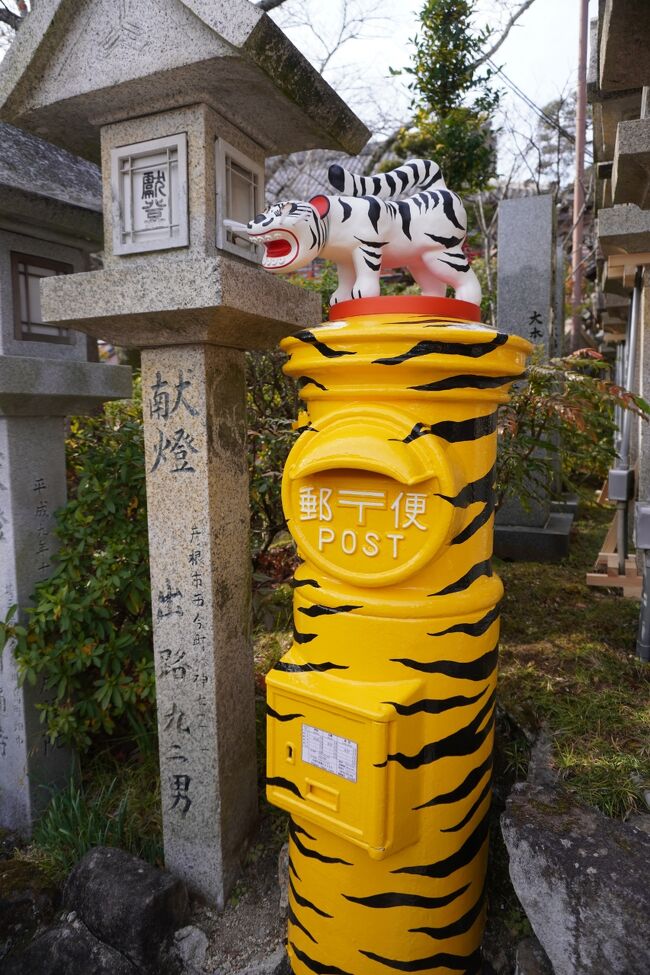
[(28, 902), (69, 948), (128, 904), (583, 881)]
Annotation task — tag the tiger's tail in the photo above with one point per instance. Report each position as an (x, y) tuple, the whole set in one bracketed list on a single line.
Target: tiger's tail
[(416, 174)]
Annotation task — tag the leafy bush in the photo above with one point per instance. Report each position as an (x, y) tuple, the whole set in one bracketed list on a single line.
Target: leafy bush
[(116, 804), (87, 637), (272, 406), (565, 412)]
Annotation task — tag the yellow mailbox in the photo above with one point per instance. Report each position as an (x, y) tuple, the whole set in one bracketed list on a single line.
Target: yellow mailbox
[(381, 715)]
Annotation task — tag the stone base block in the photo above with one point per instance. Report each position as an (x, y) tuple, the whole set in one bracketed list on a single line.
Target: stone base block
[(219, 301), (567, 504), (524, 544)]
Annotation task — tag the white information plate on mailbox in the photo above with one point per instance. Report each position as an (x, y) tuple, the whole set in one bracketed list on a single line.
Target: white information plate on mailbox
[(329, 752)]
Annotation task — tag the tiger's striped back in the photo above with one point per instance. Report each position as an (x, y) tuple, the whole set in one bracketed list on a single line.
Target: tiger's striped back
[(414, 175)]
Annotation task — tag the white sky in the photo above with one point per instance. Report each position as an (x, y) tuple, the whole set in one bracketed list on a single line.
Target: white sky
[(540, 54)]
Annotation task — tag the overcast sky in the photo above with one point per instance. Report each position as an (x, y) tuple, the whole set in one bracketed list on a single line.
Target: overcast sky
[(539, 56)]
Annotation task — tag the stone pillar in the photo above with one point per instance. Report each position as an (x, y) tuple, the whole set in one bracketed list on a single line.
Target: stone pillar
[(32, 487), (642, 433), (525, 268), (525, 301), (197, 497), (35, 396)]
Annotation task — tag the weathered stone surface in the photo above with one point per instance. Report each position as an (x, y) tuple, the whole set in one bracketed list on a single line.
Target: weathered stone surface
[(613, 108), (623, 229), (32, 487), (532, 959), (75, 67), (202, 127), (69, 949), (30, 164), (191, 945), (525, 267), (525, 299), (35, 395), (38, 246), (28, 901), (583, 881), (31, 387), (624, 52), (47, 186), (128, 904), (197, 496), (529, 543), (631, 175), (215, 300)]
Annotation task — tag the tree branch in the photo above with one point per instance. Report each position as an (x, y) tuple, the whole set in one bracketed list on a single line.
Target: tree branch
[(269, 4), (506, 30)]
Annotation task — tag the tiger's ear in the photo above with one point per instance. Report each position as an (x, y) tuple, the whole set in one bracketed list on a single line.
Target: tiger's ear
[(321, 204)]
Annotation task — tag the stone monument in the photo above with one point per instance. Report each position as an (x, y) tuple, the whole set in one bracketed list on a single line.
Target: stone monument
[(50, 221), (525, 301), (183, 100)]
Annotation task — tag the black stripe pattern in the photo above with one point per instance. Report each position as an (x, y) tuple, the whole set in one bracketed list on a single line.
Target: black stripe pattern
[(473, 350), (479, 669), (396, 899), (309, 337), (465, 741)]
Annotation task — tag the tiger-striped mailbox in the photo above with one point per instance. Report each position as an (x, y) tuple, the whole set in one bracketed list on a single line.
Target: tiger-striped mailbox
[(381, 715)]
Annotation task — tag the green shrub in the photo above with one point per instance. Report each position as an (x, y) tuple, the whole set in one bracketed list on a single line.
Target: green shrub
[(116, 804), (272, 407), (566, 411), (87, 637)]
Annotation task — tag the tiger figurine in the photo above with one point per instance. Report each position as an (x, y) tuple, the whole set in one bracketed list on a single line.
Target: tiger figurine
[(374, 225)]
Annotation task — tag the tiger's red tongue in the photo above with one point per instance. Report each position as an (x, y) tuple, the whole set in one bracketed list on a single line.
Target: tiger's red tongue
[(278, 248)]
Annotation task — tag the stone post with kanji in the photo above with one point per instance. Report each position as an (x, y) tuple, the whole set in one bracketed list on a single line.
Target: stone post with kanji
[(182, 101), (50, 223)]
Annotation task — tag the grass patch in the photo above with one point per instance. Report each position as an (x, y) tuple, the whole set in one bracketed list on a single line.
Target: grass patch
[(115, 803), (568, 662)]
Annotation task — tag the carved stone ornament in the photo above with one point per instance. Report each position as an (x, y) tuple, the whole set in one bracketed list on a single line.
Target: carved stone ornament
[(404, 218)]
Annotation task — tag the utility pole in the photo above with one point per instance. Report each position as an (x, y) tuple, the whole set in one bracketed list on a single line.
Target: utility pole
[(577, 270)]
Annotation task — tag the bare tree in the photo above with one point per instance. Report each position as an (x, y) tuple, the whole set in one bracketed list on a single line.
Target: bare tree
[(502, 32)]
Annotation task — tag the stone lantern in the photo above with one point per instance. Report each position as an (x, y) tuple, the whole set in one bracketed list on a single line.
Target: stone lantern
[(182, 100)]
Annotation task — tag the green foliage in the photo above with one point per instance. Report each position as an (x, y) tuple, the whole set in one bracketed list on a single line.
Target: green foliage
[(325, 284), (565, 410), (452, 97), (446, 50), (272, 405), (568, 664), (87, 637), (117, 804)]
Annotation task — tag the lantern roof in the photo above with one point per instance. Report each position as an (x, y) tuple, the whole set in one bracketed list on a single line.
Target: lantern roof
[(75, 66)]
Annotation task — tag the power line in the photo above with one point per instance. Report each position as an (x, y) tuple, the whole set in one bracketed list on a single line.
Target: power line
[(541, 114)]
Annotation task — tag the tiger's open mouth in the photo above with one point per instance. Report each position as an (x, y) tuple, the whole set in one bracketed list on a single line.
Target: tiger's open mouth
[(280, 248)]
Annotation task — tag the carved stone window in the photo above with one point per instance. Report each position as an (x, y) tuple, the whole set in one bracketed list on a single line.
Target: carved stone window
[(149, 193), (240, 195), (27, 272)]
